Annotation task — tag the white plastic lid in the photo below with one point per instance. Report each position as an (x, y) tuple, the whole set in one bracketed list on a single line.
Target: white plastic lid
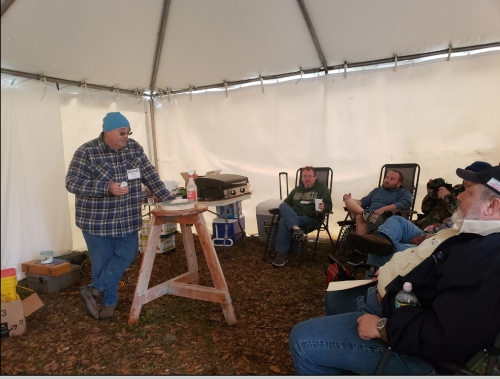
[(407, 287)]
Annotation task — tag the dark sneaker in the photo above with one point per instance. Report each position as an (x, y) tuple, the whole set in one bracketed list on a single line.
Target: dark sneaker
[(371, 243), (299, 235), (90, 302), (279, 261), (107, 312), (372, 218), (97, 295)]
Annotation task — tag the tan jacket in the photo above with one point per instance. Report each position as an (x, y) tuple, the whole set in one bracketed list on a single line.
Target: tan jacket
[(403, 262)]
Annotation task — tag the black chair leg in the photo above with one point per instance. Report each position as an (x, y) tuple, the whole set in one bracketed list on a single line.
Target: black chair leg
[(383, 361)]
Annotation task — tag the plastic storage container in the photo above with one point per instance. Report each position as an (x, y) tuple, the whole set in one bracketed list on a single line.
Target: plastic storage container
[(9, 284), (233, 228), (49, 284), (263, 216)]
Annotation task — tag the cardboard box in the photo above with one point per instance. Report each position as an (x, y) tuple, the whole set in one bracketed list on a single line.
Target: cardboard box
[(49, 284), (230, 211), (185, 176), (15, 312), (57, 267)]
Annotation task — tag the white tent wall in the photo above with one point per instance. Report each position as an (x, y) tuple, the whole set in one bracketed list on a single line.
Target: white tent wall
[(441, 115), (34, 200)]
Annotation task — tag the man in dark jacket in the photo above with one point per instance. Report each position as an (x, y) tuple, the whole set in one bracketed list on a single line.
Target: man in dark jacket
[(459, 303), (298, 212)]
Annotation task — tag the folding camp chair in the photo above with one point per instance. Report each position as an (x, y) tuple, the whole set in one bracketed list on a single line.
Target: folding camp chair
[(325, 176), (411, 174), (482, 363)]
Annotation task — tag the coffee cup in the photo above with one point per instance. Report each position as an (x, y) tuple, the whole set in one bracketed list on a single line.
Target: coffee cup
[(317, 202)]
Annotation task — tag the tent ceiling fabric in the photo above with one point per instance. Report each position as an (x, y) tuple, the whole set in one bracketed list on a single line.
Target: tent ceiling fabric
[(112, 42)]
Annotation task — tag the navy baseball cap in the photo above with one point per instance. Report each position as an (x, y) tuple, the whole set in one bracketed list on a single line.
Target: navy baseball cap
[(490, 178)]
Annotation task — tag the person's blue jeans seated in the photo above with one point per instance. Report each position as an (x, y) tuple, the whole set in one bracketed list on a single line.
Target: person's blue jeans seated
[(288, 220), (399, 231), (331, 345)]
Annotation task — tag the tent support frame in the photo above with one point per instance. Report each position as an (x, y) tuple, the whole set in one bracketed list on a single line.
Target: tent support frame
[(310, 26), (245, 81), (156, 64)]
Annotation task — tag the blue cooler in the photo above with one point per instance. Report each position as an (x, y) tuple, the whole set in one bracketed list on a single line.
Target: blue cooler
[(219, 226)]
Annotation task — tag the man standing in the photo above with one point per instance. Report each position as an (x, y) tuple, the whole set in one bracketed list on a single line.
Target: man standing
[(457, 288), (106, 175), (298, 212), (370, 211)]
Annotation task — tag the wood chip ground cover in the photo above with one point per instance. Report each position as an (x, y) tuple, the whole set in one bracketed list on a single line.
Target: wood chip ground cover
[(174, 335)]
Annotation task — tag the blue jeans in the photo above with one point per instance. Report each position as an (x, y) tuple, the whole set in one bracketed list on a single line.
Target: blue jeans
[(337, 302), (288, 219), (110, 258), (399, 231), (331, 346)]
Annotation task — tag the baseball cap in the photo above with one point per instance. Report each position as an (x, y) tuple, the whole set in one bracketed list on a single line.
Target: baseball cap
[(490, 177), (478, 166)]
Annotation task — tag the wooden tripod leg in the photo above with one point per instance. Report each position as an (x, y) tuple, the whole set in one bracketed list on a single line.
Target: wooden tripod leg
[(215, 269), (192, 263), (145, 271)]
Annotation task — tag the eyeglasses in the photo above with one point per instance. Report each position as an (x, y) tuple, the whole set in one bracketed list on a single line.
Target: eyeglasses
[(125, 133), (307, 176)]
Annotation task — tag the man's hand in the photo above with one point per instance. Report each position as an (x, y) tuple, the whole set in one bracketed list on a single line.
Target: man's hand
[(430, 227), (367, 327), (379, 211), (115, 189), (443, 192), (346, 197), (375, 276), (321, 206)]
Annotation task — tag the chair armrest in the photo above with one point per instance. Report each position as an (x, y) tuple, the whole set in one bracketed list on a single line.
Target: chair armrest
[(274, 211)]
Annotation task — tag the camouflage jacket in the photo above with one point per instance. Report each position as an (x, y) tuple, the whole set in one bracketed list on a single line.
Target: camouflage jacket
[(436, 210)]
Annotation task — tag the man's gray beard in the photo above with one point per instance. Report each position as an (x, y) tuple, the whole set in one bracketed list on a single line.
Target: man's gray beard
[(474, 213)]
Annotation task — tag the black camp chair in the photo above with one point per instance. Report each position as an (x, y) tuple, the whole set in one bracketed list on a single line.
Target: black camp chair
[(411, 174), (482, 363), (325, 176)]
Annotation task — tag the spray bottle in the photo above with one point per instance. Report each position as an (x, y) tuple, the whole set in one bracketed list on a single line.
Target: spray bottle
[(192, 191)]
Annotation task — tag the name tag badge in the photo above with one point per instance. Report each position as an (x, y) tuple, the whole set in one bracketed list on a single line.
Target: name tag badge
[(135, 173), (305, 202)]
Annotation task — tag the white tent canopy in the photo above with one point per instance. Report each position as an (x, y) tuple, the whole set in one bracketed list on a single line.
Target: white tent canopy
[(440, 113)]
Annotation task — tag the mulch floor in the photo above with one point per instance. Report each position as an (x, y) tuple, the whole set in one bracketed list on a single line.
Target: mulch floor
[(174, 335)]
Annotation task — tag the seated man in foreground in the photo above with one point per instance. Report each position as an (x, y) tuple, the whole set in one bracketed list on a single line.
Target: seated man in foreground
[(459, 303), (298, 213), (372, 210)]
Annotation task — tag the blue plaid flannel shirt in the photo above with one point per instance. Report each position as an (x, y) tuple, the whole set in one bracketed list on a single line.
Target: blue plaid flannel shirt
[(93, 167)]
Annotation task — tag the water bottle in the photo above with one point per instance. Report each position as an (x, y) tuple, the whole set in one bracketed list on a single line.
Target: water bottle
[(191, 190), (406, 297)]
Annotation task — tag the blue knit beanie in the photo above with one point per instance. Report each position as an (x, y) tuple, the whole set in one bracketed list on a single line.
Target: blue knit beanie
[(114, 120)]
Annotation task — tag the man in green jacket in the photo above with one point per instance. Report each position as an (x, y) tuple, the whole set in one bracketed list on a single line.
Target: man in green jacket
[(298, 212)]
